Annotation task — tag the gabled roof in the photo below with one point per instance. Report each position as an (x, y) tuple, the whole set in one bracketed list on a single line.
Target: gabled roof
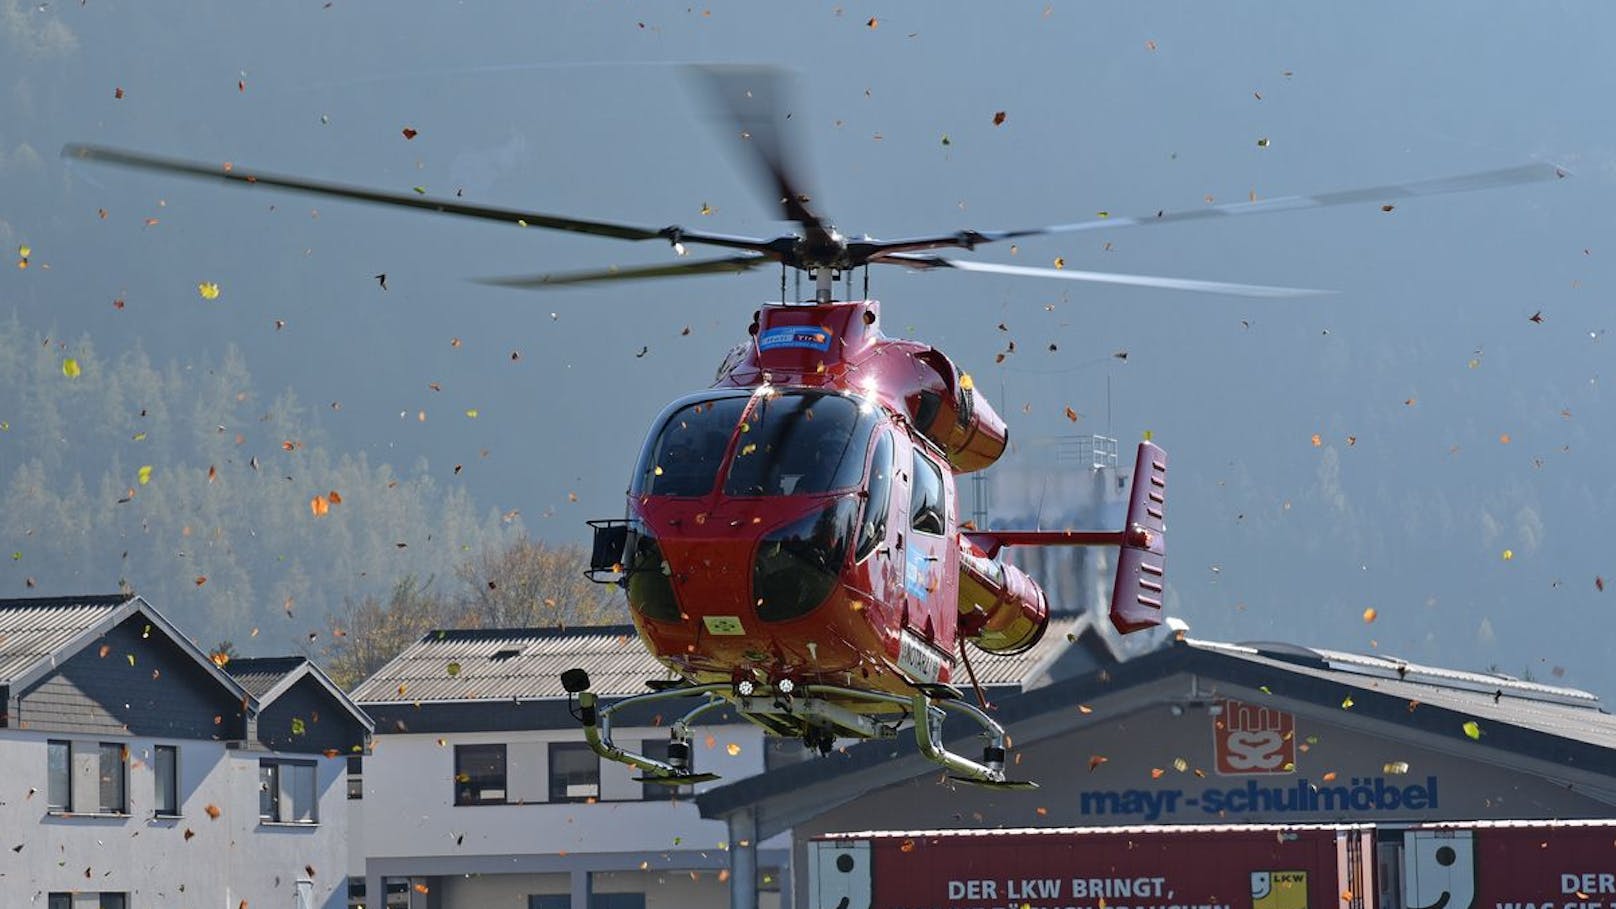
[(38, 634), (1518, 721), (500, 664), (267, 678)]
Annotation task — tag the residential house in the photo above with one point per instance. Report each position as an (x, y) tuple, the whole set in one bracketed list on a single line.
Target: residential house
[(136, 772)]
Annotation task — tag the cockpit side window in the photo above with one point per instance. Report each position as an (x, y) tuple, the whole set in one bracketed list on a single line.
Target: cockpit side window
[(926, 505), (873, 529), (684, 458), (800, 444)]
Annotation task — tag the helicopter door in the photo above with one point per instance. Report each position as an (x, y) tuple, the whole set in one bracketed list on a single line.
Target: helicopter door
[(928, 635)]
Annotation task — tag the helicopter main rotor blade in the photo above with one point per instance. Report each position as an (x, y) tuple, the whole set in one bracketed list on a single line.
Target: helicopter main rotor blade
[(1490, 179), (735, 264), (1102, 277), (229, 173), (754, 100)]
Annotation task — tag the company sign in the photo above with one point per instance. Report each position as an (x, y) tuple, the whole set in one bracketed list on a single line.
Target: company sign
[(1251, 739)]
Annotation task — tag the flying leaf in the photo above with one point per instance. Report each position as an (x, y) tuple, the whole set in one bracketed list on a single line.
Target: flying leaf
[(297, 726), (410, 133), (319, 506), (1472, 729), (472, 413), (1395, 768), (1095, 760), (70, 368), (1263, 142), (1369, 615), (209, 290), (213, 811), (1060, 262), (1072, 414), (1317, 441), (1346, 703), (1509, 554), (998, 118), (143, 475), (732, 749)]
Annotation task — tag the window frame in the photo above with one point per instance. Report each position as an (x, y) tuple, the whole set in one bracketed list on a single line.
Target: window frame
[(558, 793), (355, 778), (172, 807), (466, 792), (118, 752), (918, 515), (281, 789), (65, 805)]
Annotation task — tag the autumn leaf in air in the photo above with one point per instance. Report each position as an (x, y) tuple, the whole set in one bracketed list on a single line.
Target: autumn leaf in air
[(209, 290), (1472, 729), (143, 475), (998, 118), (1095, 760), (70, 368), (410, 133), (319, 506), (1369, 615), (213, 811), (1072, 414), (873, 22)]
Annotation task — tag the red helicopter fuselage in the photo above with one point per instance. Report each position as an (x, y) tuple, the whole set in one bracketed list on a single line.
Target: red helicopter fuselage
[(798, 520)]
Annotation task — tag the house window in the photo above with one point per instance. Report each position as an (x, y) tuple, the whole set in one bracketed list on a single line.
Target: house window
[(574, 773), (59, 789), (286, 792), (114, 779), (616, 901), (114, 901), (658, 792), (479, 774), (356, 777), (59, 901), (166, 771)]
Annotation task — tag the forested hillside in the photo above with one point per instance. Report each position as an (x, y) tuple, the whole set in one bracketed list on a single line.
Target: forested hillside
[(226, 506)]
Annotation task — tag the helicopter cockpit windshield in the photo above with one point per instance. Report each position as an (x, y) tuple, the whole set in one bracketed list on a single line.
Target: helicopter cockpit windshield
[(784, 443)]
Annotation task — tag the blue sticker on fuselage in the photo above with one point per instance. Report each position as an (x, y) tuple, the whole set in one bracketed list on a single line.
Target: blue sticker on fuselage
[(807, 337), (917, 572)]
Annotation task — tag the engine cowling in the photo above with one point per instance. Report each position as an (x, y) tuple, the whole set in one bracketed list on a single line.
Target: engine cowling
[(947, 409), (1002, 610)]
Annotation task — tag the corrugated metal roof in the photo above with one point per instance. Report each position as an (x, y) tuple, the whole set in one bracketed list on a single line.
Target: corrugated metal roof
[(34, 630), (1017, 669), (1566, 712), (500, 664), (259, 674)]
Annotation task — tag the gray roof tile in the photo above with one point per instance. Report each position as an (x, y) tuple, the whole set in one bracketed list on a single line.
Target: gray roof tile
[(34, 630)]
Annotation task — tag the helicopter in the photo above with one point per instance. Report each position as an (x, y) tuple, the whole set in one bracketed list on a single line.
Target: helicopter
[(791, 547)]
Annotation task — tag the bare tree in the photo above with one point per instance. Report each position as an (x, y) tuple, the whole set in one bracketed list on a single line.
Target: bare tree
[(367, 633), (531, 584)]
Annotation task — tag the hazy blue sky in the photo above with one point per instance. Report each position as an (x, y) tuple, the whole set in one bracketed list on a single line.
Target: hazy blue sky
[(1476, 430)]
